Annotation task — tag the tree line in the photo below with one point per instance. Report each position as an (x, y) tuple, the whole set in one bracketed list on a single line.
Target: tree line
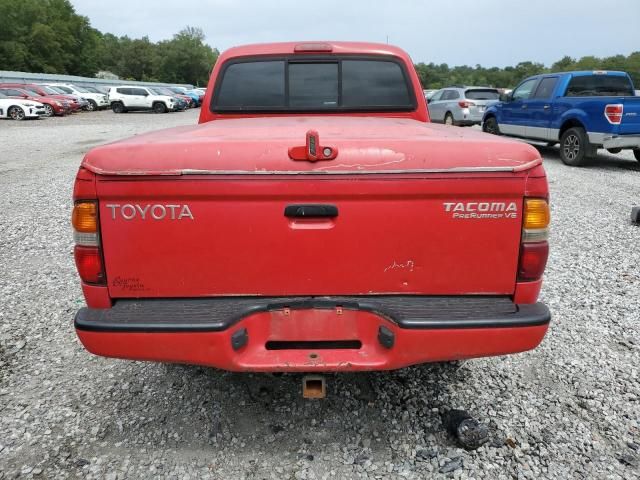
[(48, 36)]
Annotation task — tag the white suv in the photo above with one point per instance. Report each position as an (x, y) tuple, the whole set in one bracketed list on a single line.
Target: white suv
[(97, 101), (126, 98)]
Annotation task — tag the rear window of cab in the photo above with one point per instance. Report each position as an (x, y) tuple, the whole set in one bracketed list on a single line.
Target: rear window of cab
[(314, 84), (599, 85)]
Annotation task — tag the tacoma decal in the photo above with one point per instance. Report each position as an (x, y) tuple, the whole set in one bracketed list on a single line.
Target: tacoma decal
[(156, 212), (481, 209)]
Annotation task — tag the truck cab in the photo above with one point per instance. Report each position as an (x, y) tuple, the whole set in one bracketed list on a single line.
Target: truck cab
[(314, 220), (583, 111)]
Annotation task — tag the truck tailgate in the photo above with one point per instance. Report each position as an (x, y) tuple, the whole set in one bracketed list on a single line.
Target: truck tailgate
[(187, 236), (630, 116)]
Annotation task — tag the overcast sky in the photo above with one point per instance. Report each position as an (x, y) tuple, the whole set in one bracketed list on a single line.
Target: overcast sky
[(457, 32)]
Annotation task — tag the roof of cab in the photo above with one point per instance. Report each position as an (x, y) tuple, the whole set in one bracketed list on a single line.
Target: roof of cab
[(285, 48), (582, 73)]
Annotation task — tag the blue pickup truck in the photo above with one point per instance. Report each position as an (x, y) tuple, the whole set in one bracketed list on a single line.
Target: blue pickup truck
[(583, 111)]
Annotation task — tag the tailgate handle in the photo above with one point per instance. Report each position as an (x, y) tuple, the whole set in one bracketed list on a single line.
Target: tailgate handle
[(310, 211)]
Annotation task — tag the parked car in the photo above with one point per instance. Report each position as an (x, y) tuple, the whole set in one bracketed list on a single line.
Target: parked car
[(428, 93), (463, 106), (104, 89), (583, 111), (196, 97), (84, 103), (52, 106), (186, 99), (20, 109), (199, 93), (182, 101), (47, 92), (129, 98), (95, 100), (327, 226)]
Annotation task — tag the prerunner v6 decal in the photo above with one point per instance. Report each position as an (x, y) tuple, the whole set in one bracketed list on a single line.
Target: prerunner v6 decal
[(481, 209)]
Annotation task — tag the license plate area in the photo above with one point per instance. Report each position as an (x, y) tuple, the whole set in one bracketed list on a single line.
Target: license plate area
[(313, 345)]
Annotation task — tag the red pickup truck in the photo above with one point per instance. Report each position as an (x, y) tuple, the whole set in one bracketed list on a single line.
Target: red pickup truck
[(313, 221)]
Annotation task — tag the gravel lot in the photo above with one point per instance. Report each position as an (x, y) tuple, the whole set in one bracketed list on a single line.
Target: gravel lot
[(570, 409)]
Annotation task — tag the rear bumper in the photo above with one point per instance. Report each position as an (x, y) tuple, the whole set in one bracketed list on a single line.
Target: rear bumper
[(469, 117), (614, 141), (312, 334)]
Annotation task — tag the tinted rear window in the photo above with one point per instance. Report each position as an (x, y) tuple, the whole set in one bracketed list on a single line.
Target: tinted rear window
[(372, 83), (482, 94), (599, 85), (341, 84), (250, 85), (313, 85)]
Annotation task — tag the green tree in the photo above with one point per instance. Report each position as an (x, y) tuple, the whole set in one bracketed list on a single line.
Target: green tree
[(186, 58), (566, 63)]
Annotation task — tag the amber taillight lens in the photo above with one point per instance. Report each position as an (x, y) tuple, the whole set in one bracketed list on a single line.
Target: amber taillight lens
[(85, 217)]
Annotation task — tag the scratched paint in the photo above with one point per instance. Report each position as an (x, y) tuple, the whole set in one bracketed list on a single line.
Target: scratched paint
[(408, 265)]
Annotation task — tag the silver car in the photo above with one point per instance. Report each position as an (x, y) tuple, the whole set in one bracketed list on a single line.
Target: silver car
[(461, 105)]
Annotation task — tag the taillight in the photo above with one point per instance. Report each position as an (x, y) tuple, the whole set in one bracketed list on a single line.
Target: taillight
[(86, 233), (533, 260), (534, 248), (613, 113), (466, 104), (89, 264), (85, 217)]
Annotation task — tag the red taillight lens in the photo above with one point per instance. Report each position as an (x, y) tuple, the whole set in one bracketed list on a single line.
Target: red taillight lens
[(533, 260), (465, 104), (613, 113), (89, 264)]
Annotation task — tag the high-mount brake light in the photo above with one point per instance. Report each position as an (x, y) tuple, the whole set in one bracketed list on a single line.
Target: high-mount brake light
[(312, 47), (86, 233), (534, 248), (613, 113)]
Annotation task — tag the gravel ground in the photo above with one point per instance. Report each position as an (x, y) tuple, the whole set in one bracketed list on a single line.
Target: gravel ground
[(570, 409)]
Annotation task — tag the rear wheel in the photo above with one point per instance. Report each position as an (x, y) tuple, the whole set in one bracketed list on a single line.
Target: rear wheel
[(448, 119), (636, 153), (117, 107), (48, 110), (16, 113), (490, 125), (159, 107), (575, 147)]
